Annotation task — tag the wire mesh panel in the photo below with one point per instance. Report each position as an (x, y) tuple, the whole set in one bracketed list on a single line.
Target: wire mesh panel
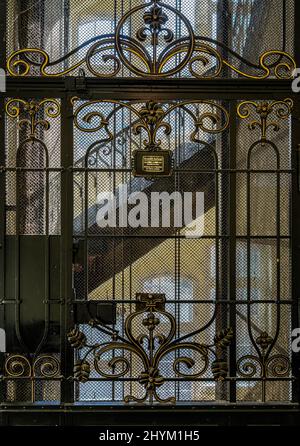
[(31, 367), (116, 262), (263, 255), (192, 273), (32, 167), (167, 337)]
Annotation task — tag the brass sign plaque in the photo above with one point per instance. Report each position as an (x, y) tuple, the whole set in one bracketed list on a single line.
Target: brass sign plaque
[(153, 163), (158, 163)]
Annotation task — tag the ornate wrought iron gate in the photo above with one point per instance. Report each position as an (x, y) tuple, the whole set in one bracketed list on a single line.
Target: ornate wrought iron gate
[(96, 314)]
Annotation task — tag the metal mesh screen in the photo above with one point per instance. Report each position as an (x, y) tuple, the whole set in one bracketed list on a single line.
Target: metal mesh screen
[(192, 273), (115, 264), (32, 172), (118, 263), (236, 273), (263, 266)]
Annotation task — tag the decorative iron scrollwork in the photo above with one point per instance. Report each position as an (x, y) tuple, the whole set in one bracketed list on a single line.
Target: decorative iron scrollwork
[(154, 19), (264, 365), (42, 367), (155, 64), (187, 51), (281, 109), (50, 107), (151, 118), (149, 348)]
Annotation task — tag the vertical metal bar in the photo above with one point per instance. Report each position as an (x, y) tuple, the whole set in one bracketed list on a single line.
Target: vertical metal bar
[(67, 391), (222, 254), (232, 246), (86, 227), (114, 159), (45, 230), (225, 201), (42, 23), (177, 308), (249, 261), (2, 233), (3, 8), (20, 229), (3, 15), (224, 30), (278, 253), (66, 32), (295, 216), (124, 181), (132, 246)]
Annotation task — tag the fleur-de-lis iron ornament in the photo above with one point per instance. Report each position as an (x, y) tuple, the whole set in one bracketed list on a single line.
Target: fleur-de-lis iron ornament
[(175, 53), (151, 118), (147, 350), (264, 341), (281, 110), (154, 19), (151, 113), (32, 109)]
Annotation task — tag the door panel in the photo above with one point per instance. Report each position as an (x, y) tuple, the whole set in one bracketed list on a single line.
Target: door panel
[(149, 313)]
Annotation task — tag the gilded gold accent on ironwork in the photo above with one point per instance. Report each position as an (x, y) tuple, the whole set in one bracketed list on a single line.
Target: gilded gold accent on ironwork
[(132, 52), (200, 53), (151, 118), (21, 67), (281, 109), (158, 300), (19, 366), (149, 348), (50, 107), (264, 340), (154, 19), (151, 113), (281, 70)]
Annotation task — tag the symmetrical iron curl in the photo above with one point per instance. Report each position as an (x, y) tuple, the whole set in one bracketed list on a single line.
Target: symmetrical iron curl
[(168, 55), (49, 107), (264, 365), (43, 367), (147, 350), (281, 109), (151, 118)]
